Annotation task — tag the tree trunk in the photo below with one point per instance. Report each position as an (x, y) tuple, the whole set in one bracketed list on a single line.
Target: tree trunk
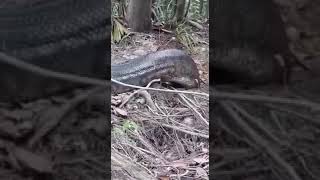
[(207, 9), (139, 15), (180, 10), (201, 7)]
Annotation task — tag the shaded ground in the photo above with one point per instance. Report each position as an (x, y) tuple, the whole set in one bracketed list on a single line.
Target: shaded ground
[(260, 139), (167, 135), (61, 137)]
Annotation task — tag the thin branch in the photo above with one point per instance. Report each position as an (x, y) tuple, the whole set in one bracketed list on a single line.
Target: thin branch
[(219, 95), (261, 142), (48, 73), (160, 90)]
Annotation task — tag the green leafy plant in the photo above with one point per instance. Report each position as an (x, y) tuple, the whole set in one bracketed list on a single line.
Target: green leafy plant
[(118, 31), (129, 126), (185, 36)]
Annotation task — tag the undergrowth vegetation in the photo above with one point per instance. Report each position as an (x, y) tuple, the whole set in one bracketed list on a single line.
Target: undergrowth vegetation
[(163, 15)]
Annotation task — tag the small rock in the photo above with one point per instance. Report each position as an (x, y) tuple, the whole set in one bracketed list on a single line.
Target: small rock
[(188, 121), (141, 100)]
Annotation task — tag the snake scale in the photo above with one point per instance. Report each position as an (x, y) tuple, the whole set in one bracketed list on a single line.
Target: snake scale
[(71, 36)]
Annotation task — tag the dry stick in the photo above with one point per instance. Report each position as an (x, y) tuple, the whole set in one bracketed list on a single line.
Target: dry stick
[(303, 162), (275, 118), (91, 81), (48, 73), (242, 171), (260, 141), (258, 123), (148, 145), (185, 131), (160, 90), (261, 126), (259, 98), (63, 112), (138, 91), (194, 109), (300, 115), (148, 98), (75, 78)]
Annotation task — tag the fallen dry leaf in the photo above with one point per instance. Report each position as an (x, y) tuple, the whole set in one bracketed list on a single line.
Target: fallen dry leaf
[(121, 112), (202, 173)]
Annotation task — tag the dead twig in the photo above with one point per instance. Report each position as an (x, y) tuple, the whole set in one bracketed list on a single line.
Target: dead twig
[(58, 114), (197, 113), (261, 142), (186, 131), (218, 95), (160, 90), (48, 73), (149, 101)]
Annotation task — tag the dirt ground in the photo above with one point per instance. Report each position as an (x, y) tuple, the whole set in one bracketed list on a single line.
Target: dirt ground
[(171, 140)]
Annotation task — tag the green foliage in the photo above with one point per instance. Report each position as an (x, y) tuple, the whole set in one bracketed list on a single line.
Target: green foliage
[(118, 7), (195, 8), (165, 10), (122, 135), (186, 36), (130, 126), (118, 31)]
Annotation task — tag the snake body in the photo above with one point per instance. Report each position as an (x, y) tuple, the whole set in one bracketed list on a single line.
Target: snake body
[(69, 36)]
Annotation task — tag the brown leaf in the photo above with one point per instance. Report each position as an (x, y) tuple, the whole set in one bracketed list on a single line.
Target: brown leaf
[(121, 112), (164, 177)]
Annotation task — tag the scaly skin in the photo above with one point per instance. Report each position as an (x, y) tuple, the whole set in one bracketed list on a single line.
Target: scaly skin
[(169, 65), (60, 35), (252, 27)]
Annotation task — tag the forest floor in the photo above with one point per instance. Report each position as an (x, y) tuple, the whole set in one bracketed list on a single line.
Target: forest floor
[(264, 137), (172, 140)]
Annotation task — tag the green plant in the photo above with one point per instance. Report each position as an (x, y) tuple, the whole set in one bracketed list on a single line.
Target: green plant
[(129, 126), (118, 31), (185, 36)]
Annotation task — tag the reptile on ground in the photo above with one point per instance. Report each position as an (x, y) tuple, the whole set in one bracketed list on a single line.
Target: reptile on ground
[(70, 36), (169, 65), (246, 36), (61, 35)]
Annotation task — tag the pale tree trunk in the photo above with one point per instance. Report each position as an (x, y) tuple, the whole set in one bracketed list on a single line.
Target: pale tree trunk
[(139, 15)]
